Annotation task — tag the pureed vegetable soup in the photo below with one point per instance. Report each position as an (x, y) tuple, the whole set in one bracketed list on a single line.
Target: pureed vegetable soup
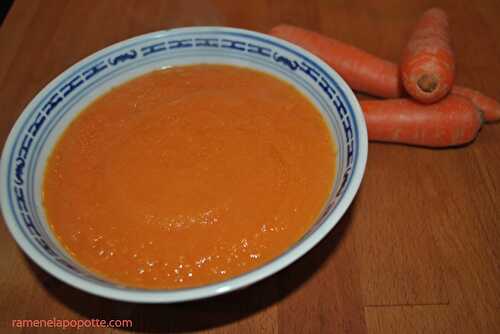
[(188, 176)]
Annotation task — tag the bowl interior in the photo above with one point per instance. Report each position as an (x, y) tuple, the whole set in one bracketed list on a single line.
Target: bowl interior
[(45, 118)]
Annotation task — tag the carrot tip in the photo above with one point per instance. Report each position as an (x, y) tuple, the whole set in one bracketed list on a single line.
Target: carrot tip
[(428, 83)]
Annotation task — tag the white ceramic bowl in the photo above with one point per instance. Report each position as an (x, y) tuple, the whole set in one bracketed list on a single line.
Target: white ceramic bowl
[(48, 114)]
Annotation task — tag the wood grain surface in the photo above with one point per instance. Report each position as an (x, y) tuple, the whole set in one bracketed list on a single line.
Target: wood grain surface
[(418, 250)]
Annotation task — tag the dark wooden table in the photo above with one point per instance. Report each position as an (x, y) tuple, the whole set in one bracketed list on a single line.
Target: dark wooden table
[(417, 252)]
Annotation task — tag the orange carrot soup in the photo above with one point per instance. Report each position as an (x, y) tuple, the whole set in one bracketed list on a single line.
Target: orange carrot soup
[(188, 176)]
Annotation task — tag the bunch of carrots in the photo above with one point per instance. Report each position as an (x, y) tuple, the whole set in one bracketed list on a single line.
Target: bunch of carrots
[(422, 105)]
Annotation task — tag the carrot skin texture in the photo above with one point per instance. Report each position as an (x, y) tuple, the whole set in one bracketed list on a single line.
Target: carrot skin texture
[(363, 71), (428, 63), (452, 121), (488, 106)]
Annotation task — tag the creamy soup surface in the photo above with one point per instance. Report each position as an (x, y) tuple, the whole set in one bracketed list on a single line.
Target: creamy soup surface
[(188, 176)]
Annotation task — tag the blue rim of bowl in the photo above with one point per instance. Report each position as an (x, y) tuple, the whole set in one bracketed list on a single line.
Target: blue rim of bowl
[(235, 283)]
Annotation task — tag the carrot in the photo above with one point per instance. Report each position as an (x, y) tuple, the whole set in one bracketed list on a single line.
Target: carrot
[(488, 106), (428, 64), (337, 54), (363, 71), (450, 122)]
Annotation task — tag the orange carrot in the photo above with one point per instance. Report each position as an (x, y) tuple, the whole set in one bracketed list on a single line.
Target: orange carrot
[(428, 64), (450, 122), (363, 71), (334, 53), (488, 106)]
